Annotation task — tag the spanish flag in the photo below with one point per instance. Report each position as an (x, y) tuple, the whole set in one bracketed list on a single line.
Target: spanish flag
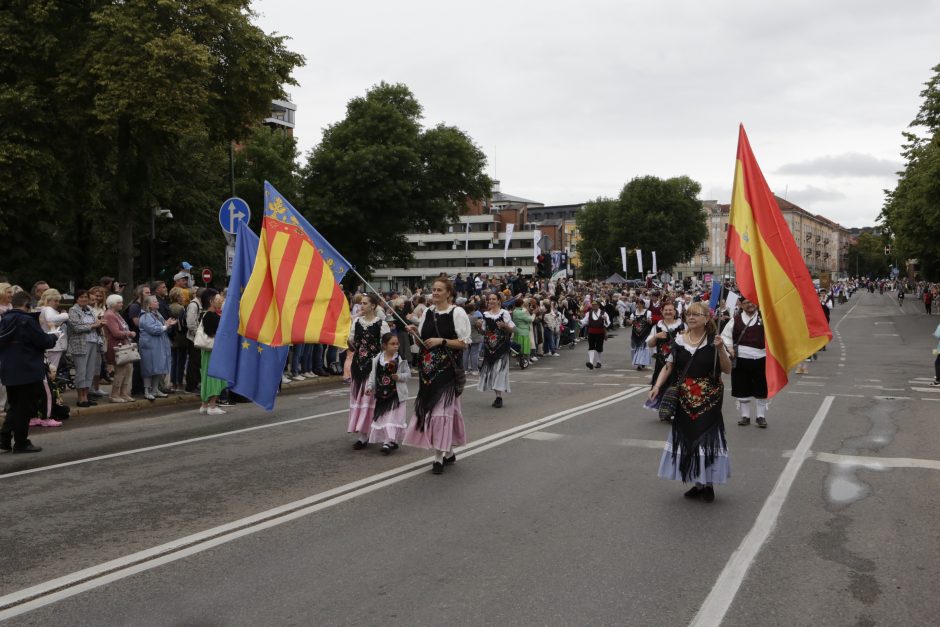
[(293, 295), (771, 272)]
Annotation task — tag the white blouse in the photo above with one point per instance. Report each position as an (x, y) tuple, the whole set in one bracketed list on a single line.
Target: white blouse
[(461, 322), (364, 324), (501, 314)]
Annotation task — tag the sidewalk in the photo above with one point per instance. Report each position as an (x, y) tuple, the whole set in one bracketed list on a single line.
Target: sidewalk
[(70, 398)]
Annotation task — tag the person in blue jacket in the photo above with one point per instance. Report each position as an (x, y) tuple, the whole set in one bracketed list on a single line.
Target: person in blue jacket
[(23, 344)]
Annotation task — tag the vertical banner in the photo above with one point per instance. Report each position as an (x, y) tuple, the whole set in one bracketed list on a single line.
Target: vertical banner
[(466, 244), (509, 229), (623, 259), (655, 271), (536, 240), (639, 260)]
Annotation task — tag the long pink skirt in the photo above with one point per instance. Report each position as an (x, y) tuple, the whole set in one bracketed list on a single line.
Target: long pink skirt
[(443, 430), (390, 426), (361, 409)]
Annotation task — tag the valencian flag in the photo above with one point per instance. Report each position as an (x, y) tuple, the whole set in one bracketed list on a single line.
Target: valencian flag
[(251, 369), (771, 272), (293, 295)]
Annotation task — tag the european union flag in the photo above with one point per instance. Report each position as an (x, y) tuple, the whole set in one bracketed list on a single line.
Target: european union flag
[(251, 369), (335, 261)]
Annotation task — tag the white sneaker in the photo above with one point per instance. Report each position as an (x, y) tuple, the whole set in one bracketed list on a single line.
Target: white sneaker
[(285, 379), (215, 411), (203, 410), (555, 355), (160, 394), (298, 377), (311, 375)]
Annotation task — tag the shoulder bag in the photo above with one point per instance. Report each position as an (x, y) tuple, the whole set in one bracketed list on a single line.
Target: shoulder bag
[(460, 379), (203, 341), (126, 354), (670, 398)]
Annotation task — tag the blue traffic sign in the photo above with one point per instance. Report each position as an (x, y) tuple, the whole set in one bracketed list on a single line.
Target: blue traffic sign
[(233, 211)]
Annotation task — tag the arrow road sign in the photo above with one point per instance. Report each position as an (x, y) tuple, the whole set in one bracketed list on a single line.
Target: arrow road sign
[(233, 211)]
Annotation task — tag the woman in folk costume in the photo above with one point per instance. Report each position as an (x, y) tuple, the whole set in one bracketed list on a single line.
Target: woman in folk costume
[(641, 325), (596, 322), (438, 423), (497, 331), (661, 337), (365, 342), (388, 386), (696, 450)]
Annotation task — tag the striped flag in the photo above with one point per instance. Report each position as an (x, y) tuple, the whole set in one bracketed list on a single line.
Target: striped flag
[(293, 295), (771, 272)]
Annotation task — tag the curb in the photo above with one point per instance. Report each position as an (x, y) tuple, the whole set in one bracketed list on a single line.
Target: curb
[(107, 407)]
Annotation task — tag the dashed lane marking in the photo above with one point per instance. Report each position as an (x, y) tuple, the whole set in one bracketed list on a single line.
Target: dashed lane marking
[(935, 390), (544, 436)]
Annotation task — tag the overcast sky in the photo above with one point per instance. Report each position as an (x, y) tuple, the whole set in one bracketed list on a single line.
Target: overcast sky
[(571, 100)]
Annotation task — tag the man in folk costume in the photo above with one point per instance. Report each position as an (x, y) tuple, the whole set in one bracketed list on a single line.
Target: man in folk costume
[(596, 321), (744, 338)]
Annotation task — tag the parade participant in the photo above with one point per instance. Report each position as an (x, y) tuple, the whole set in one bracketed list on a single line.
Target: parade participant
[(697, 450), (661, 337), (497, 329), (387, 387), (438, 422), (117, 333), (596, 322), (22, 371), (936, 361), (154, 347), (744, 339), (641, 325), (84, 345), (656, 307), (365, 342)]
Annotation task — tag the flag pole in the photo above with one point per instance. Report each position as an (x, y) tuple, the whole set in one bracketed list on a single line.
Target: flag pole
[(389, 307)]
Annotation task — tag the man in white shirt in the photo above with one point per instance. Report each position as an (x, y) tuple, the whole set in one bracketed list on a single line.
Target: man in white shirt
[(744, 338)]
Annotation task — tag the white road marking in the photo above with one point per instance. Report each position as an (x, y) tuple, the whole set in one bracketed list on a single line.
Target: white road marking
[(806, 376), (718, 601), (46, 593), (934, 390), (892, 398), (930, 399), (810, 383), (544, 436), (807, 393), (613, 384), (886, 334), (569, 383), (654, 444), (878, 463), (849, 395), (880, 387)]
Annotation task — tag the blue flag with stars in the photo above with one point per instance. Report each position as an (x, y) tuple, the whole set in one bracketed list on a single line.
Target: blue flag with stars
[(331, 257), (251, 369)]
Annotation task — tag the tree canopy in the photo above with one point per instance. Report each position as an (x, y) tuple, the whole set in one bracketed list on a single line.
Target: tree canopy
[(113, 108), (379, 174), (653, 214), (911, 212), (866, 257)]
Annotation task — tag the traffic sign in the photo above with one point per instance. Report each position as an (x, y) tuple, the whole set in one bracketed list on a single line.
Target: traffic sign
[(233, 211), (206, 276)]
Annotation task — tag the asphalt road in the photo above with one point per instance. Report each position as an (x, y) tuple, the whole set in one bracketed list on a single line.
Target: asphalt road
[(553, 514)]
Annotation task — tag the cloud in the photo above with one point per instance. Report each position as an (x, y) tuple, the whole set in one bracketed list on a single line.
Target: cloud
[(850, 165), (810, 194)]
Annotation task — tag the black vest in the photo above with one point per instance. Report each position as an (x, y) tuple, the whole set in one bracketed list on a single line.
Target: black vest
[(753, 336)]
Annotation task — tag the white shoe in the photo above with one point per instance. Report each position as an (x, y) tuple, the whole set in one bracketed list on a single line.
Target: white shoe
[(310, 375), (555, 355), (150, 397), (203, 410), (215, 411), (298, 378), (160, 394), (285, 379)]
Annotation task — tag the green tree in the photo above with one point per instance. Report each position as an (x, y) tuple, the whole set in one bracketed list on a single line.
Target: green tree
[(866, 256), (911, 212), (653, 214), (115, 108), (379, 174)]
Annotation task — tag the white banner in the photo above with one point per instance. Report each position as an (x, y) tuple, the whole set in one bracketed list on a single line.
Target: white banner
[(623, 259), (654, 263), (536, 240), (639, 260), (509, 229), (466, 244)]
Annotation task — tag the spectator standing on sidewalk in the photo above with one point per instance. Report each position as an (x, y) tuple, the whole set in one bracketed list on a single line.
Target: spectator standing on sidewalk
[(178, 346), (117, 332), (210, 388), (154, 348), (6, 296), (193, 313), (22, 370), (84, 345)]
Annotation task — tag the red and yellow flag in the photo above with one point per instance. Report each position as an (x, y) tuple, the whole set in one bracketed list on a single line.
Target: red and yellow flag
[(771, 272), (292, 296)]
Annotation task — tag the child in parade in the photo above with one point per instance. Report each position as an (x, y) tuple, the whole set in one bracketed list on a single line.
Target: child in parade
[(387, 386), (641, 325), (497, 330), (365, 342)]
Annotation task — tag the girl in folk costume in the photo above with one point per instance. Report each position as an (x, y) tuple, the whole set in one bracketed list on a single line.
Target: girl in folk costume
[(388, 386), (438, 422), (656, 307), (661, 337), (642, 323), (365, 342), (497, 331), (596, 322), (696, 450)]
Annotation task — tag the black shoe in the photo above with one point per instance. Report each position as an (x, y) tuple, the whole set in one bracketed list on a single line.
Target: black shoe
[(694, 493), (450, 460), (83, 404), (744, 422), (359, 445), (386, 449), (761, 422), (598, 365), (498, 402), (29, 448), (6, 446), (437, 468), (708, 494), (589, 365)]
